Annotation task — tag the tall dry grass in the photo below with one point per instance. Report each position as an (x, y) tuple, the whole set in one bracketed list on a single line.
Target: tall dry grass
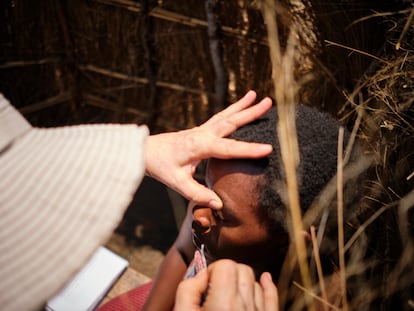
[(285, 89), (365, 216)]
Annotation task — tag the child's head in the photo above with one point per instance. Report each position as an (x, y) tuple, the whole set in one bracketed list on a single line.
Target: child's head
[(252, 226)]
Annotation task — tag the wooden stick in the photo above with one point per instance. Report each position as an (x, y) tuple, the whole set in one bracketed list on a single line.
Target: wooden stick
[(180, 19), (23, 63), (139, 80), (221, 79), (96, 101), (51, 101)]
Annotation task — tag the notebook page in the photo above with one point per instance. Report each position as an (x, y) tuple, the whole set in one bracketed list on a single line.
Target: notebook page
[(91, 284)]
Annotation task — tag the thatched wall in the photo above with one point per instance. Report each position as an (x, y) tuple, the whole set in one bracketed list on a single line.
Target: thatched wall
[(120, 61), (150, 62)]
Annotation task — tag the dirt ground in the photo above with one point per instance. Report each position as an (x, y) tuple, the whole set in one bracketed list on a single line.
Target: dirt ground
[(149, 227), (143, 258)]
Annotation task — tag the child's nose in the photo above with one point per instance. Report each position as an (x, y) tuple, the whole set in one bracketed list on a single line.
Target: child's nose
[(204, 219)]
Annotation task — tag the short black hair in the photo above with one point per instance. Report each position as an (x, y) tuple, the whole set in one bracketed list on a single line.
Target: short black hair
[(318, 140)]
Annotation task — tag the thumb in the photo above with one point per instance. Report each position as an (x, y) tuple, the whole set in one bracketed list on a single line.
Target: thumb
[(201, 195), (270, 293), (190, 291)]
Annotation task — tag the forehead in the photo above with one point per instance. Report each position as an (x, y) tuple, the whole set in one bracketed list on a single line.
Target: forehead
[(238, 175)]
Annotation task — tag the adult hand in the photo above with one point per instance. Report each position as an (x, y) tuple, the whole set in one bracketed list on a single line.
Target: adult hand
[(229, 286), (172, 158)]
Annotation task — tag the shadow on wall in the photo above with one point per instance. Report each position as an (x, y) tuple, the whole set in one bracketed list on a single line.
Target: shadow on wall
[(154, 216)]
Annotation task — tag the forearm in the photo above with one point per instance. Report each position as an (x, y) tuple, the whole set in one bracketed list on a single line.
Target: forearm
[(170, 274), (172, 270)]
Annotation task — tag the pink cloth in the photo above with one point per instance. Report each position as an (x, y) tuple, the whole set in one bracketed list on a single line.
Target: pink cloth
[(135, 298), (131, 300)]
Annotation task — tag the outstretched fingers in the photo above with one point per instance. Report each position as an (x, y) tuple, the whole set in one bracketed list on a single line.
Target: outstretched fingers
[(247, 100), (172, 158), (230, 119), (230, 148)]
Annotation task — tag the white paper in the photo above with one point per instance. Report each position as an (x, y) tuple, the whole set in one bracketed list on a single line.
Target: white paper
[(91, 284)]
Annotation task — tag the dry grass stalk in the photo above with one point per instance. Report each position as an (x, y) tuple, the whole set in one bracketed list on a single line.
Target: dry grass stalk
[(342, 268), (351, 171), (361, 229), (405, 29), (357, 51), (286, 275), (351, 141), (405, 263), (316, 297), (285, 89), (319, 268)]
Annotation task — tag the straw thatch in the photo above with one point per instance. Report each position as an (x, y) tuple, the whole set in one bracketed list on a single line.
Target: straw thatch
[(123, 61)]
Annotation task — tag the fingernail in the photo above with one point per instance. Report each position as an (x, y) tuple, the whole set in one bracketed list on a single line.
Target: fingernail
[(265, 147), (268, 276)]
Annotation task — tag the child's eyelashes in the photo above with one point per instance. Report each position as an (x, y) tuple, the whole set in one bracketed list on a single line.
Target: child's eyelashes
[(218, 215)]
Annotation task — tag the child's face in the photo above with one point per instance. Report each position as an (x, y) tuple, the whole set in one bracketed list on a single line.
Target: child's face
[(235, 232)]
